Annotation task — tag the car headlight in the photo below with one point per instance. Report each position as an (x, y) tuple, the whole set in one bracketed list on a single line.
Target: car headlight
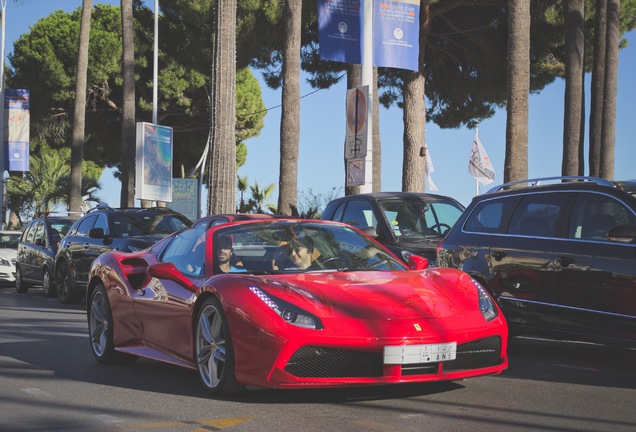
[(287, 311), (4, 262), (487, 305)]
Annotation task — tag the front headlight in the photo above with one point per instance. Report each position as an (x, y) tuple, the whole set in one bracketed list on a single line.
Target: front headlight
[(287, 311), (487, 305), (4, 262)]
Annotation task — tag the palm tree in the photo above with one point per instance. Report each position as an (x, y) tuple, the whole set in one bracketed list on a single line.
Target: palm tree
[(222, 171), (290, 116), (128, 106), (243, 185), (259, 196), (598, 82), (574, 76), (516, 160), (608, 133), (79, 113)]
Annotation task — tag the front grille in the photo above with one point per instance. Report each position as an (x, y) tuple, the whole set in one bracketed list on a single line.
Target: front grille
[(318, 362), (475, 355)]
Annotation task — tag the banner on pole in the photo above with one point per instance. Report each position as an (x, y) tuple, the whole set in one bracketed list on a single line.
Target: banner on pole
[(428, 169), (153, 174), (17, 119), (395, 32)]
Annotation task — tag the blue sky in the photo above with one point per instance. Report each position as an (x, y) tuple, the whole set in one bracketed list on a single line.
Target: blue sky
[(321, 165)]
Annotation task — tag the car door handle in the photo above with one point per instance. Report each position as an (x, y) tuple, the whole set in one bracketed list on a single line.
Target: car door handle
[(498, 255), (565, 261)]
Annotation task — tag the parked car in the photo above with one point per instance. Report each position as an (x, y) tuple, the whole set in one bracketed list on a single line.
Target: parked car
[(406, 223), (220, 219), (356, 315), (103, 229), (36, 252), (559, 258), (8, 250)]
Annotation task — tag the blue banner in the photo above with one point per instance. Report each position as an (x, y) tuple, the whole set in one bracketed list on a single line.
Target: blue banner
[(17, 120), (340, 30), (396, 29), (395, 32)]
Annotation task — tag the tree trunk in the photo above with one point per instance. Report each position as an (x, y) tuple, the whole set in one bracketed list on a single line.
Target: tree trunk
[(128, 141), (414, 115), (290, 117), (598, 81), (574, 57), (222, 171), (516, 160), (608, 134), (79, 112)]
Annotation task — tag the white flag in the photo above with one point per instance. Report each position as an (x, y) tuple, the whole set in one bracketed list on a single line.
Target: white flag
[(479, 165), (428, 169)]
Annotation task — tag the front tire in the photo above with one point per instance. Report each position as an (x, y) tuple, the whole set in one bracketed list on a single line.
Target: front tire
[(100, 330), (20, 286), (214, 351), (65, 292), (47, 284)]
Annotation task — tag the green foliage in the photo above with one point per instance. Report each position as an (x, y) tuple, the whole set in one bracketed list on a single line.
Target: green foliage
[(45, 187), (44, 61)]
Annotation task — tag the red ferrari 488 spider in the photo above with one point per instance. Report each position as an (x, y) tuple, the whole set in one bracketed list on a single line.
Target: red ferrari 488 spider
[(288, 303)]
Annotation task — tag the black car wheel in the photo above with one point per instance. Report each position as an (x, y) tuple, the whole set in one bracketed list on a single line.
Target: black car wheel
[(47, 284), (65, 292), (20, 286), (214, 352), (100, 330)]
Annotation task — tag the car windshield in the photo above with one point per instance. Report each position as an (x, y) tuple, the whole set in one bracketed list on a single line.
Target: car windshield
[(140, 223), (413, 219), (9, 240), (297, 247)]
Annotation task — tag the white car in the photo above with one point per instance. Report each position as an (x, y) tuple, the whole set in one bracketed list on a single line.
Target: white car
[(8, 253)]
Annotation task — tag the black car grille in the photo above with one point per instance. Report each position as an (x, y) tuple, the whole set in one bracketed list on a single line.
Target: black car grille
[(476, 354), (319, 362)]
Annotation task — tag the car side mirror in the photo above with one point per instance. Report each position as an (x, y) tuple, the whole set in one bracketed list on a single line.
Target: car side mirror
[(96, 233), (622, 233), (168, 271), (370, 231), (417, 262)]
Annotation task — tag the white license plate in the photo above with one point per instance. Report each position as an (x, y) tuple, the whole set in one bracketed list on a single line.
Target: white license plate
[(413, 354)]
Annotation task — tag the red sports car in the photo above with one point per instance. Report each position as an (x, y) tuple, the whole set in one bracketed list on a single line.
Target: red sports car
[(288, 303)]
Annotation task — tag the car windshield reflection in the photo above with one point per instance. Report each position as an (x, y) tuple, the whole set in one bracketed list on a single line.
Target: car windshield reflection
[(415, 220), (292, 247)]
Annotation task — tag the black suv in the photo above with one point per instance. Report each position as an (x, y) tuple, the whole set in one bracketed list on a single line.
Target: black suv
[(36, 252), (558, 254), (103, 229), (405, 222)]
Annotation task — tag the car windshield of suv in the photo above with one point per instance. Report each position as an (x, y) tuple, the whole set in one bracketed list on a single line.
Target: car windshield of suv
[(131, 224), (415, 219), (9, 240)]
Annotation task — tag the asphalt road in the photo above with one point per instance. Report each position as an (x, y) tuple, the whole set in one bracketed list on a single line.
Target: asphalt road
[(49, 381)]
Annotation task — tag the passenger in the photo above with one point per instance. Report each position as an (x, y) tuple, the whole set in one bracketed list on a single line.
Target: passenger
[(225, 259), (300, 250)]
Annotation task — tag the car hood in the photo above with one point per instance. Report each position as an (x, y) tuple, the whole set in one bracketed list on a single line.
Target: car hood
[(8, 254), (433, 293)]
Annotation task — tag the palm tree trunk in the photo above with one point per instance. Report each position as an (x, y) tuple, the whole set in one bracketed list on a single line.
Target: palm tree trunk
[(516, 160), (574, 57), (598, 82), (222, 172), (79, 113), (608, 134), (128, 107), (290, 117)]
